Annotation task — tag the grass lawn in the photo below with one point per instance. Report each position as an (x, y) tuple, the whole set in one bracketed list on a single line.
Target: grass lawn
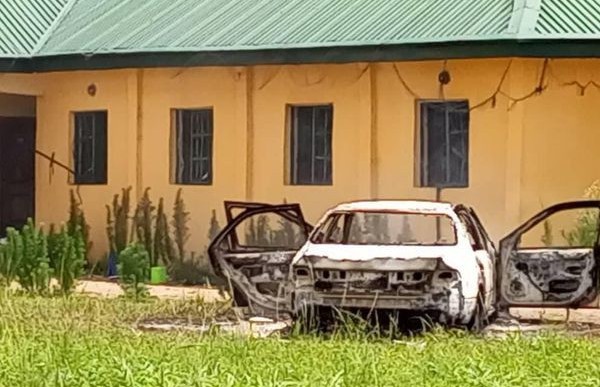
[(90, 342)]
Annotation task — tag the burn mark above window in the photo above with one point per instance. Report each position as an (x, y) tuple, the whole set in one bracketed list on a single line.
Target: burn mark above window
[(310, 145), (90, 147), (193, 146), (444, 144)]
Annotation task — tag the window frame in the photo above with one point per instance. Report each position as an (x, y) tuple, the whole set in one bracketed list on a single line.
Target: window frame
[(472, 231), (557, 246), (422, 158), (177, 140), (292, 164), (101, 177), (322, 233)]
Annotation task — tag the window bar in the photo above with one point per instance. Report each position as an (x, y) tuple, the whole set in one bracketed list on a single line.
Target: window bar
[(179, 134), (92, 169), (313, 145), (295, 144), (447, 138), (424, 149), (190, 163), (78, 166), (324, 150), (203, 140), (195, 137)]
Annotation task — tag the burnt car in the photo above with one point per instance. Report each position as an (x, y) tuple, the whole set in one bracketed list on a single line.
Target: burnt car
[(424, 257)]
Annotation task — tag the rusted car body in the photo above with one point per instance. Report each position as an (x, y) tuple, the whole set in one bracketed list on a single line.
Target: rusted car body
[(434, 269), (426, 257)]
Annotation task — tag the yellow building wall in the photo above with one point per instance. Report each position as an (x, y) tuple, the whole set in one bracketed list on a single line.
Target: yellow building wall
[(346, 87), (221, 89), (397, 130), (62, 94), (561, 133), (522, 155)]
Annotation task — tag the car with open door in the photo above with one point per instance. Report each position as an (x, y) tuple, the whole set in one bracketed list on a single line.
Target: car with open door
[(552, 259), (424, 257), (254, 253)]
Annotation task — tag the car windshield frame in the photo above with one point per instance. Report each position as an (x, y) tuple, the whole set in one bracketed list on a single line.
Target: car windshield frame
[(325, 228)]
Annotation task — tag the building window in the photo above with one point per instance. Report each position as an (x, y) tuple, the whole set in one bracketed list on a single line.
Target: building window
[(90, 147), (310, 145), (193, 146), (444, 144)]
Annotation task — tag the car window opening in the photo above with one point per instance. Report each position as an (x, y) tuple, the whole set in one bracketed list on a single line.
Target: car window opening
[(386, 228)]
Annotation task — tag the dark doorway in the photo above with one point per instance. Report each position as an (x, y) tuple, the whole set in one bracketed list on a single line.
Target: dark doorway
[(17, 171)]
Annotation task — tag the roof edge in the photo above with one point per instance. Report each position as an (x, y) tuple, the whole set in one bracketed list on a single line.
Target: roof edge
[(16, 65), (525, 48)]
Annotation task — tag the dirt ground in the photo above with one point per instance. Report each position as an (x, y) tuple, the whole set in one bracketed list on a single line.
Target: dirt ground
[(111, 289), (574, 315)]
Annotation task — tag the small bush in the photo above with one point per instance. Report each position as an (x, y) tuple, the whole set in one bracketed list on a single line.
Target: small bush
[(134, 270), (11, 253), (67, 256), (193, 271), (144, 223), (152, 230), (77, 224), (31, 258), (34, 270), (585, 232), (164, 251), (180, 221), (117, 221)]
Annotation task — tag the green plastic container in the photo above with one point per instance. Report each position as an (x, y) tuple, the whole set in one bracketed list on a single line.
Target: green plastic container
[(158, 275)]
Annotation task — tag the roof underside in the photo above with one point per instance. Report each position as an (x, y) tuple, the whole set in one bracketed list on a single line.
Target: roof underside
[(55, 34)]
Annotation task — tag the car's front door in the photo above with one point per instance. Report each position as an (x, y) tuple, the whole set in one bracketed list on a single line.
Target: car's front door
[(254, 251), (552, 259)]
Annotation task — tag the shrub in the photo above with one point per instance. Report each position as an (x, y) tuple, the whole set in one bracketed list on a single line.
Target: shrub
[(163, 245), (163, 241), (187, 268), (152, 230), (192, 271), (66, 253), (31, 257), (143, 222), (134, 270), (33, 270), (117, 221), (585, 232), (180, 222), (214, 228), (11, 253), (77, 223)]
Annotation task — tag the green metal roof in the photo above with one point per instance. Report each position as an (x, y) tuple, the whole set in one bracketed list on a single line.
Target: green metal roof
[(118, 26), (69, 34), (24, 22), (569, 18)]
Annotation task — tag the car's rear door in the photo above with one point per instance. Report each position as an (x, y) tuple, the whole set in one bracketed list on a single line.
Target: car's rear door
[(253, 253), (552, 259)]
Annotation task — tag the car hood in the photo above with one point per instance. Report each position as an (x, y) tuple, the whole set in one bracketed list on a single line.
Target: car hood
[(387, 257)]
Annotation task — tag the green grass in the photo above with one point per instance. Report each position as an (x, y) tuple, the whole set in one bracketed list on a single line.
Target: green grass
[(90, 342)]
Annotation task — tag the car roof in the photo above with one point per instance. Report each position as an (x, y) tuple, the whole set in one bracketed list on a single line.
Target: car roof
[(396, 205)]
